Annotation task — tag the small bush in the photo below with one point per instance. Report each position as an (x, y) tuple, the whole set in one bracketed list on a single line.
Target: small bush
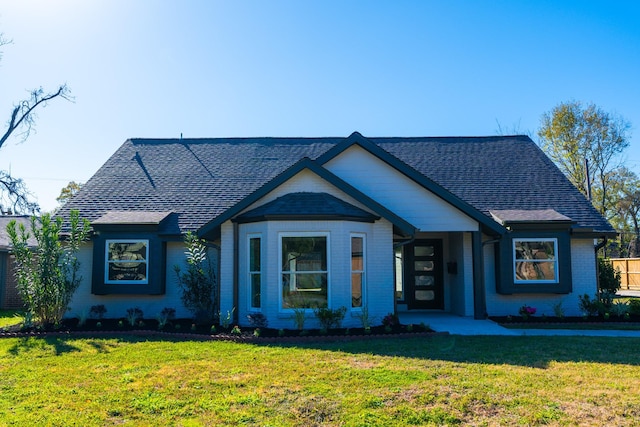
[(329, 318), (299, 317), (98, 311), (558, 310), (134, 315), (634, 307), (391, 319), (257, 320), (619, 308), (165, 316), (609, 277), (591, 307)]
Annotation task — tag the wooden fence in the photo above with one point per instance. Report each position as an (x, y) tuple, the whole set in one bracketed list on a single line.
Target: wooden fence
[(629, 271)]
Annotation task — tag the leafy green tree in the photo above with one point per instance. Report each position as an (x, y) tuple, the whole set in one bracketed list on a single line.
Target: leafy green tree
[(47, 276), (571, 134), (198, 282), (68, 192), (625, 210), (14, 196)]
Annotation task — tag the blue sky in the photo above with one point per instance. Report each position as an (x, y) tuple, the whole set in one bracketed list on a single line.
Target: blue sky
[(142, 68)]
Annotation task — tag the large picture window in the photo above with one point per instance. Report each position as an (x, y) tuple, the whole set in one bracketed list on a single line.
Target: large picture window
[(255, 273), (304, 271), (535, 260), (127, 262)]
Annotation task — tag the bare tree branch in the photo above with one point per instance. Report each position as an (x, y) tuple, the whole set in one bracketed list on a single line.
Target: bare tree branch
[(23, 115), (14, 196)]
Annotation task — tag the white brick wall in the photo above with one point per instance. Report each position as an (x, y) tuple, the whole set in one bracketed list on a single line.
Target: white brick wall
[(117, 305), (583, 270), (379, 269)]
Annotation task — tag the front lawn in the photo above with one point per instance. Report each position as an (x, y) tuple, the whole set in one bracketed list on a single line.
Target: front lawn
[(437, 380)]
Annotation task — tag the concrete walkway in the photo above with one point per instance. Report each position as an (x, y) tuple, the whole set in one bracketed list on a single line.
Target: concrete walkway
[(457, 325)]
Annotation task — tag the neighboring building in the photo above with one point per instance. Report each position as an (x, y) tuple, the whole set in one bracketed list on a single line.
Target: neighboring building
[(9, 297), (465, 225)]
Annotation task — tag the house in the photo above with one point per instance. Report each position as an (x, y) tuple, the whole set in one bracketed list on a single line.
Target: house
[(472, 226), (9, 297)]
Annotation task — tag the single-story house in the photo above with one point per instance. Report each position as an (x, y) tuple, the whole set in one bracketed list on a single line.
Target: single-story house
[(472, 226)]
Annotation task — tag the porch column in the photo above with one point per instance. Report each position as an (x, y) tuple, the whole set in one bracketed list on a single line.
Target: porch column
[(479, 294)]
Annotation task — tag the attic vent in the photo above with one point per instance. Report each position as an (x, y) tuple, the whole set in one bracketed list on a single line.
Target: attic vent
[(266, 158)]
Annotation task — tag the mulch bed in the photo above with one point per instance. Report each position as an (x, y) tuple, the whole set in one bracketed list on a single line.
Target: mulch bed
[(186, 329)]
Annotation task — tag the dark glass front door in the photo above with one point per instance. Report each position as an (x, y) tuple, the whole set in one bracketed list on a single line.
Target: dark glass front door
[(424, 287)]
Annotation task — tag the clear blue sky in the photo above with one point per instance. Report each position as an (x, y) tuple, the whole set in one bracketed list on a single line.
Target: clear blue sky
[(141, 68)]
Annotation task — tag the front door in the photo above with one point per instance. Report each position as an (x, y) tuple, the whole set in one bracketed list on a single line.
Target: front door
[(424, 288)]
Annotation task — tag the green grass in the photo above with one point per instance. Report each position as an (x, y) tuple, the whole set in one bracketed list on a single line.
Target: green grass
[(9, 318), (439, 380)]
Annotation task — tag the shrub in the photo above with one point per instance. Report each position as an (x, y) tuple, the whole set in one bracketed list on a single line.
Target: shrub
[(47, 277), (619, 308), (590, 307), (634, 307), (391, 319), (165, 315), (257, 320), (527, 311), (198, 283), (134, 315), (97, 311), (558, 310), (329, 318), (608, 277), (299, 317), (226, 321), (365, 319)]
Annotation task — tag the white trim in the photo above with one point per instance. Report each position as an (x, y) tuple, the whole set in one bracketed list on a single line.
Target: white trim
[(107, 262), (250, 273), (324, 234), (554, 260)]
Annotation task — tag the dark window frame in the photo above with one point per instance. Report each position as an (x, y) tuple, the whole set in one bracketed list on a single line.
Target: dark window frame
[(506, 283), (156, 265)]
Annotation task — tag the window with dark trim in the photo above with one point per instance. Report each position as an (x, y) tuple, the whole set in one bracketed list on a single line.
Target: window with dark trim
[(535, 260), (127, 262)]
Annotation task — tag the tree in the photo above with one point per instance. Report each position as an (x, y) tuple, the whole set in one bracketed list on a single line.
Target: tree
[(47, 276), (198, 283), (68, 192), (13, 193), (625, 195), (572, 134)]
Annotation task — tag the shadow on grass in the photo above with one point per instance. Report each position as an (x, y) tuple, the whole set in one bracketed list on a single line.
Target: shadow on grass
[(537, 352), (56, 344)]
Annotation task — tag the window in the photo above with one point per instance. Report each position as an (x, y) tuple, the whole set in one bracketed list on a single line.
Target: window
[(535, 260), (304, 271), (127, 262), (399, 277), (357, 270), (255, 276)]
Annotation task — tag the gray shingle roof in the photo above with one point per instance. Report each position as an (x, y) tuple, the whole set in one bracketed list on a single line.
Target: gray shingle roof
[(198, 179), (306, 205)]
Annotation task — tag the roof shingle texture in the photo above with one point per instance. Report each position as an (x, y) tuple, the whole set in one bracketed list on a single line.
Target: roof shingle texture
[(198, 179)]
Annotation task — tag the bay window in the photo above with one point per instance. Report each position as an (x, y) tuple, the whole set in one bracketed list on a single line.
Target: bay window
[(304, 271)]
